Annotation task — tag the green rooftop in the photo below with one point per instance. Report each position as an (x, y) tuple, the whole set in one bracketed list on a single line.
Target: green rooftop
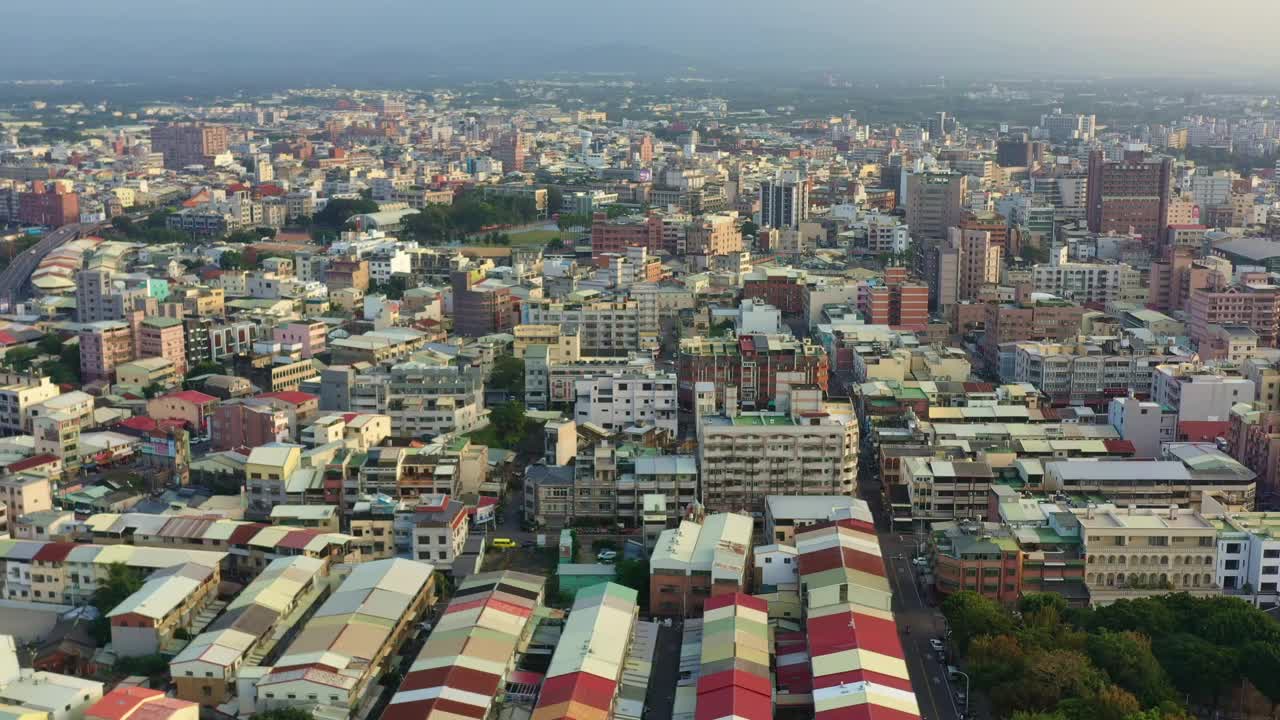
[(770, 420)]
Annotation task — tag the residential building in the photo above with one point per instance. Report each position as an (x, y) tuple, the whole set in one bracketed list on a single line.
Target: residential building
[(759, 366), (1148, 425), (1255, 305), (194, 409), (24, 494), (341, 651), (156, 372), (696, 561), (164, 337), (140, 703), (745, 457), (184, 144), (784, 200), (1085, 372), (440, 527), (935, 203), (626, 399), (1198, 393), (18, 394), (895, 301), (103, 347), (605, 328), (147, 621), (1185, 474), (977, 263)]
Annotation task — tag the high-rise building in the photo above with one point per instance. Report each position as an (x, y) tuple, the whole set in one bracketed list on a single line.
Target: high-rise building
[(51, 205), (482, 306), (184, 144), (784, 200), (103, 346), (95, 299), (935, 202), (1129, 195), (510, 151), (978, 261), (895, 301)]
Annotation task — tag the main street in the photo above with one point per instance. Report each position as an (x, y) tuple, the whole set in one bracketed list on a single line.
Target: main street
[(13, 279), (934, 689)]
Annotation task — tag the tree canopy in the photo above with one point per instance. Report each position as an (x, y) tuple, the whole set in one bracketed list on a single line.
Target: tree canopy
[(338, 211)]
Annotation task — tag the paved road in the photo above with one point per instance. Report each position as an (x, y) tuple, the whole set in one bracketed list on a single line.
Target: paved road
[(912, 608), (13, 279)]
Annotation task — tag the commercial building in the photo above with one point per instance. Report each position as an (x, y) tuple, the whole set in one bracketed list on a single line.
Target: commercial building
[(784, 200), (347, 644), (894, 301), (1254, 304), (189, 144), (51, 205), (935, 203), (1085, 372), (471, 653), (1129, 195), (1035, 319), (695, 561)]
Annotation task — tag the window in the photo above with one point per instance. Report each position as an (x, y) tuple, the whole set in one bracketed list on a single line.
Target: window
[(1271, 554), (443, 554), (768, 561)]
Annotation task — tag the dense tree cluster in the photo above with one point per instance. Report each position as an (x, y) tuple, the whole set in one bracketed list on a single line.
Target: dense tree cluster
[(468, 214), (1133, 660)]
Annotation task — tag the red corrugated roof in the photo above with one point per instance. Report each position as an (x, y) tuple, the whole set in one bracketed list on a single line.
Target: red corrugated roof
[(834, 557), (293, 397), (31, 462), (735, 702), (742, 599), (298, 539), (454, 676), (191, 396), (119, 703), (141, 423), (244, 533), (54, 552), (1202, 430), (1120, 447), (582, 687), (734, 678), (838, 632), (865, 712), (854, 676)]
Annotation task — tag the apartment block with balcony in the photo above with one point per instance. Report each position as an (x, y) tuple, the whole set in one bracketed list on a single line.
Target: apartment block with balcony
[(1139, 552)]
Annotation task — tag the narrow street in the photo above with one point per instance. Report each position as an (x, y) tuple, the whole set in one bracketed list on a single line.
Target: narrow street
[(934, 690)]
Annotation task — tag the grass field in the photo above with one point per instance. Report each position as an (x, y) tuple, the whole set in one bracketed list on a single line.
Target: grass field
[(535, 237)]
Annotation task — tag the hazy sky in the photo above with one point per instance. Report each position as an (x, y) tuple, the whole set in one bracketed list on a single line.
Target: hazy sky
[(132, 39)]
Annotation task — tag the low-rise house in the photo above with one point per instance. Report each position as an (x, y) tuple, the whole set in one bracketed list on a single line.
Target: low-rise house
[(695, 561), (146, 622)]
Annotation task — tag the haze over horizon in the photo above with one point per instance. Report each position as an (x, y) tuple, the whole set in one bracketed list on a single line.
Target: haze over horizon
[(345, 42)]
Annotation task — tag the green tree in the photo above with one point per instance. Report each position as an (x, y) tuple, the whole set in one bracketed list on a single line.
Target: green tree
[(1050, 678), (969, 615), (50, 344), (20, 358), (995, 659), (338, 211), (1127, 659), (206, 368), (750, 229), (510, 423), (231, 260), (1108, 703), (724, 328), (121, 582), (394, 288), (635, 575), (508, 374), (1262, 668), (1198, 667), (152, 390)]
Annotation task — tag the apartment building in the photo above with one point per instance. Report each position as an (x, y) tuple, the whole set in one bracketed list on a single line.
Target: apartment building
[(18, 394), (1255, 305), (549, 383), (24, 494), (103, 346), (1198, 393), (745, 457), (440, 527), (422, 401), (945, 489), (976, 260), (1087, 371), (1129, 195), (164, 337), (621, 400), (1248, 564), (1138, 552), (1040, 319), (1084, 283), (606, 328), (699, 560), (756, 364)]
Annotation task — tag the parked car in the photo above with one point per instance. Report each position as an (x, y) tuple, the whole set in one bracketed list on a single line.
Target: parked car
[(607, 556), (503, 543), (936, 644), (920, 561)]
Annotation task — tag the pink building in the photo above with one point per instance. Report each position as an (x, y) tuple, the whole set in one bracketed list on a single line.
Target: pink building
[(193, 408), (103, 346), (163, 337), (301, 408), (246, 424), (1251, 303), (311, 336)]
